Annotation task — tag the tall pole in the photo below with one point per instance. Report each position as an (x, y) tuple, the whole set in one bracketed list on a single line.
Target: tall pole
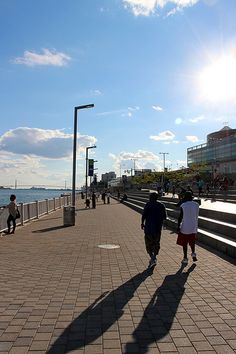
[(74, 150), (86, 175), (74, 156), (164, 164)]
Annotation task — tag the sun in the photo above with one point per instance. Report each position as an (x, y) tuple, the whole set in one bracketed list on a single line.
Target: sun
[(217, 82)]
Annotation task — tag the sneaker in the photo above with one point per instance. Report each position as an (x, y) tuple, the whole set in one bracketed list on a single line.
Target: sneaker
[(194, 257), (152, 262), (185, 261)]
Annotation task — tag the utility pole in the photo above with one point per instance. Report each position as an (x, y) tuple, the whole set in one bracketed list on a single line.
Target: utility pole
[(164, 164)]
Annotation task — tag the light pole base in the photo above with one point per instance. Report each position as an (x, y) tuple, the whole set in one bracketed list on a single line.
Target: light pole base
[(69, 215)]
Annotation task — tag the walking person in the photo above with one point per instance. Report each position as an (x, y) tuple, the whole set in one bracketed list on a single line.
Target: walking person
[(108, 197), (187, 226), (12, 207), (94, 200), (153, 216), (104, 197)]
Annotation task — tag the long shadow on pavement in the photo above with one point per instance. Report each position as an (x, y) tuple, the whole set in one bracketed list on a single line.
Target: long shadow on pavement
[(47, 229), (160, 312), (98, 317)]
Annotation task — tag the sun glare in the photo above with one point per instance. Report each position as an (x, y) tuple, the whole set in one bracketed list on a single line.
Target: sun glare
[(217, 82)]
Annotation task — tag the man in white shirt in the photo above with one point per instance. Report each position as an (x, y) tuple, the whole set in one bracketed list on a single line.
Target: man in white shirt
[(187, 226)]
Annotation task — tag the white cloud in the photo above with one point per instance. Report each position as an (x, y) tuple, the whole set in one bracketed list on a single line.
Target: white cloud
[(133, 109), (192, 138), (143, 159), (96, 93), (163, 136), (178, 121), (48, 57), (128, 112), (196, 119), (50, 144), (157, 108), (148, 7)]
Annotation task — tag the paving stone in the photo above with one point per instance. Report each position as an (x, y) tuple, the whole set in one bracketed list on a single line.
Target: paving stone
[(73, 296)]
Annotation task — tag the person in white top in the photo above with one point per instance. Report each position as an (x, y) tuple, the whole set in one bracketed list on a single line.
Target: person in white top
[(187, 226)]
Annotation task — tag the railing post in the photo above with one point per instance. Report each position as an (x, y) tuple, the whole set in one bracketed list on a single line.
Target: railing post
[(28, 211), (37, 209), (60, 202), (47, 206), (54, 202), (22, 214)]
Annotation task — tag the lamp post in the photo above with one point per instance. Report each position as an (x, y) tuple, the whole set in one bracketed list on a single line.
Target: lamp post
[(74, 156), (86, 168), (164, 164)]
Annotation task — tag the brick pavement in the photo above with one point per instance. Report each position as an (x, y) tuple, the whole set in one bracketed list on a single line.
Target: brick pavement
[(60, 293)]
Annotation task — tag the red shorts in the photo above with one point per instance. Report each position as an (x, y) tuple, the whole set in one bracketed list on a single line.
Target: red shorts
[(185, 239)]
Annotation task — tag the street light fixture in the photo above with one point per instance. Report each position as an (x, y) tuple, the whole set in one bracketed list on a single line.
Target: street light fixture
[(86, 172), (74, 154), (164, 164)]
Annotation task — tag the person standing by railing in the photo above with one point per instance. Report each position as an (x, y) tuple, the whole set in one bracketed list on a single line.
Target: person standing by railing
[(12, 207)]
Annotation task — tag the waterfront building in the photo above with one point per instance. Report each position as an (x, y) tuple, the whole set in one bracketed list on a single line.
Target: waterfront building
[(218, 153), (106, 177), (142, 172)]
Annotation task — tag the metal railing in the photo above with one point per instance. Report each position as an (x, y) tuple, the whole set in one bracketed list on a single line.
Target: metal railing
[(34, 210)]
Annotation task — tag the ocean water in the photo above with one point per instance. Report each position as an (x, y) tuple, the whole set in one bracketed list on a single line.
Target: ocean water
[(29, 195)]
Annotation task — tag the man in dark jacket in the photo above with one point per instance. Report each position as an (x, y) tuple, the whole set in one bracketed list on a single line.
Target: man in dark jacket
[(153, 216)]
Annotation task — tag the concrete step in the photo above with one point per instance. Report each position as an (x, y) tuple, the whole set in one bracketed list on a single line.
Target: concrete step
[(216, 228)]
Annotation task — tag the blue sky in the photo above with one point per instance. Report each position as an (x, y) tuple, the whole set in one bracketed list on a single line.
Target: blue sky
[(161, 74)]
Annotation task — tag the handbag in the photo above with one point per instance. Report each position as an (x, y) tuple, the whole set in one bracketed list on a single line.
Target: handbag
[(17, 214)]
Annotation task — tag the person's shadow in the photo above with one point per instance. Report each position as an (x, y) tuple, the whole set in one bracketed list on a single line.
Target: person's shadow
[(98, 317), (160, 312)]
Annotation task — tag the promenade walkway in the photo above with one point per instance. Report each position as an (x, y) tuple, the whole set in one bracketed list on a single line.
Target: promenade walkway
[(61, 293)]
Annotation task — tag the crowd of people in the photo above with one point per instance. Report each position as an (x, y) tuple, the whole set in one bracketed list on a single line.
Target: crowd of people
[(94, 197), (198, 187)]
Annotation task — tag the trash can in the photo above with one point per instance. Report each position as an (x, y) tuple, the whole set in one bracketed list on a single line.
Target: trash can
[(69, 215)]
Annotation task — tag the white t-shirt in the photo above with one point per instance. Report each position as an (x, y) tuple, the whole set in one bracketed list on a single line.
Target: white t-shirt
[(189, 223)]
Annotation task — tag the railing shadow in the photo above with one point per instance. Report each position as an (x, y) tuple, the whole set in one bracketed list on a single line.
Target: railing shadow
[(98, 317), (160, 312)]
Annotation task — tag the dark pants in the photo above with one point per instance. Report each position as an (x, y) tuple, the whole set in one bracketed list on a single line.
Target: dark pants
[(152, 243), (9, 219)]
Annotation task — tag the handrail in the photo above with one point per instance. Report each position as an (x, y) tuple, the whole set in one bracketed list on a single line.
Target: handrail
[(34, 210)]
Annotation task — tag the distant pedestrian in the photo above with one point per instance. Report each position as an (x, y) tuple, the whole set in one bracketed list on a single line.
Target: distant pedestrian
[(200, 184), (94, 200), (87, 203), (173, 191), (153, 216), (118, 194), (187, 226), (207, 189), (124, 198), (12, 208), (104, 197), (108, 197)]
